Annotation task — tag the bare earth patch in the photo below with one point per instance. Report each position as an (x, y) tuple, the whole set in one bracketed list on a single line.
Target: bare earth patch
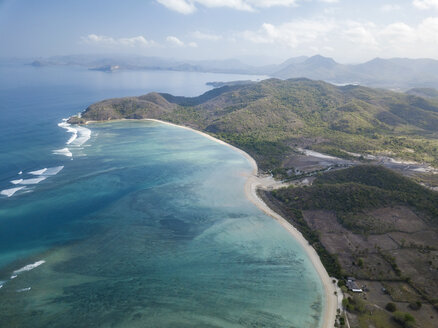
[(404, 242)]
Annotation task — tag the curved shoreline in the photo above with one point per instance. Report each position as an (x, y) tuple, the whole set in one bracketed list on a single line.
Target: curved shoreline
[(254, 182), (331, 300)]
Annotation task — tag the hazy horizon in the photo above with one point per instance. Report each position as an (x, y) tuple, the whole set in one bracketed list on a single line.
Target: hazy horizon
[(251, 61)]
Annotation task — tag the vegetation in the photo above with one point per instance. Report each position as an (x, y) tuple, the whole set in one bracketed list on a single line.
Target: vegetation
[(352, 195), (424, 92), (391, 307), (349, 192), (376, 318), (354, 305), (415, 305), (405, 319), (269, 118)]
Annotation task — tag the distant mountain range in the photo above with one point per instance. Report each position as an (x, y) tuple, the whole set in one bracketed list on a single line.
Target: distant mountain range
[(395, 73)]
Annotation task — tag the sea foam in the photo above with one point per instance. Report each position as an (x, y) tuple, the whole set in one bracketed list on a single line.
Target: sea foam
[(10, 192), (52, 171), (72, 138), (46, 171), (32, 181), (80, 133), (63, 151), (69, 129), (83, 135), (24, 289), (16, 181), (29, 267), (38, 172)]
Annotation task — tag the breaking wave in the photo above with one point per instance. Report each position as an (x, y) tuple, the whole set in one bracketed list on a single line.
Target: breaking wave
[(63, 151), (80, 134), (38, 172), (29, 267), (10, 192), (31, 181)]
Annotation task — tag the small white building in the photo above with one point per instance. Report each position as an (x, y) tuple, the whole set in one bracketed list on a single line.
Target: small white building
[(352, 286)]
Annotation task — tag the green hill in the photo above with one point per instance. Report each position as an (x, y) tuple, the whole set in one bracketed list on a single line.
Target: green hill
[(268, 119), (360, 188), (424, 92)]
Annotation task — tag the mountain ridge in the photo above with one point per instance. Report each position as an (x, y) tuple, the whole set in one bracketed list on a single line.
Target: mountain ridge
[(271, 118)]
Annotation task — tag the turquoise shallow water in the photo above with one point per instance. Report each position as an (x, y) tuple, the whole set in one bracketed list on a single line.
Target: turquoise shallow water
[(147, 225)]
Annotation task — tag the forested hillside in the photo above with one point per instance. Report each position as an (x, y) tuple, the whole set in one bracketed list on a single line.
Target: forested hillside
[(270, 118)]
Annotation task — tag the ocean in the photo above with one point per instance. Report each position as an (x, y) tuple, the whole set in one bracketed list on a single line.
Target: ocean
[(135, 223)]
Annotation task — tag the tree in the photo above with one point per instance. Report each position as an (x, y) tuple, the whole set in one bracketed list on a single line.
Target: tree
[(391, 307)]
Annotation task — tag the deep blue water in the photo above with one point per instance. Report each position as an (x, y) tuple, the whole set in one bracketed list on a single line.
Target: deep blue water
[(144, 225)]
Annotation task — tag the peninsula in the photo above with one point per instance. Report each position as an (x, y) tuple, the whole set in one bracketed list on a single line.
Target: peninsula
[(324, 141)]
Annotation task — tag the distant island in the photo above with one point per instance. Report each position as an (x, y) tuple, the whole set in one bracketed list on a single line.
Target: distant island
[(393, 73), (231, 83), (106, 68)]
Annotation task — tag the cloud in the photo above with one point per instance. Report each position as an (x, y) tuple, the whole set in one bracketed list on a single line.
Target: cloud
[(427, 31), (292, 34), (361, 34), (206, 36), (329, 1), (190, 6), (397, 33), (181, 6), (271, 3), (93, 38), (390, 8), (346, 39), (175, 41), (426, 4), (137, 41)]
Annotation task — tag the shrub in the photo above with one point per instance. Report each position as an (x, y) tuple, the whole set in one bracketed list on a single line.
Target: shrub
[(390, 307), (342, 321), (415, 305), (405, 319), (344, 302)]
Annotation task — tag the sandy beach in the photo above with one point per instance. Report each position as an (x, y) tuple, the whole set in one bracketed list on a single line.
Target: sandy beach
[(255, 182), (331, 300)]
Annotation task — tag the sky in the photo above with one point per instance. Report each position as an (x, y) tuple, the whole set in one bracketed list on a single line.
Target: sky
[(256, 31)]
